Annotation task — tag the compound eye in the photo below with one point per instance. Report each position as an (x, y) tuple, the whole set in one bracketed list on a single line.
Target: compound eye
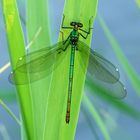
[(80, 24), (72, 23)]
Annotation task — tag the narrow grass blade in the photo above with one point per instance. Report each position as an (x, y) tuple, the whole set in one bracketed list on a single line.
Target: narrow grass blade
[(118, 104), (4, 67), (138, 3), (37, 16), (16, 46), (96, 117), (9, 112), (131, 73)]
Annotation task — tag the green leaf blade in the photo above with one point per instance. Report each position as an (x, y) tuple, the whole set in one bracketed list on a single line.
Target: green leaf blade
[(16, 50)]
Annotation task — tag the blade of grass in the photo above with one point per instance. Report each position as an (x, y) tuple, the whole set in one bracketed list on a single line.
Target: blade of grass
[(10, 112), (129, 70), (82, 11), (118, 104), (37, 16), (16, 46), (96, 117), (138, 3), (7, 65)]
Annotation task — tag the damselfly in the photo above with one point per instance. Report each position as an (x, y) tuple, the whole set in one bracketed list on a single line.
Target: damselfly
[(38, 64)]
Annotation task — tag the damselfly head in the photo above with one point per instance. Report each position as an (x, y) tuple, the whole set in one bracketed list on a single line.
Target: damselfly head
[(76, 24)]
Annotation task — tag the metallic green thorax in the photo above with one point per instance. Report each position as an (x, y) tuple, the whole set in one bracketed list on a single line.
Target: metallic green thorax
[(74, 35)]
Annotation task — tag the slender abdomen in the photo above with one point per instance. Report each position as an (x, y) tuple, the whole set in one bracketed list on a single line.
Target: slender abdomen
[(71, 71)]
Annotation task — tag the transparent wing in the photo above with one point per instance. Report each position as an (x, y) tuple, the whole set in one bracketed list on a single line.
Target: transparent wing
[(38, 64), (116, 90), (98, 66), (102, 72)]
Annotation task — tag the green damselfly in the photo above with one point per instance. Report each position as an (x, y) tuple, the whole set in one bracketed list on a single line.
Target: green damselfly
[(38, 64)]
